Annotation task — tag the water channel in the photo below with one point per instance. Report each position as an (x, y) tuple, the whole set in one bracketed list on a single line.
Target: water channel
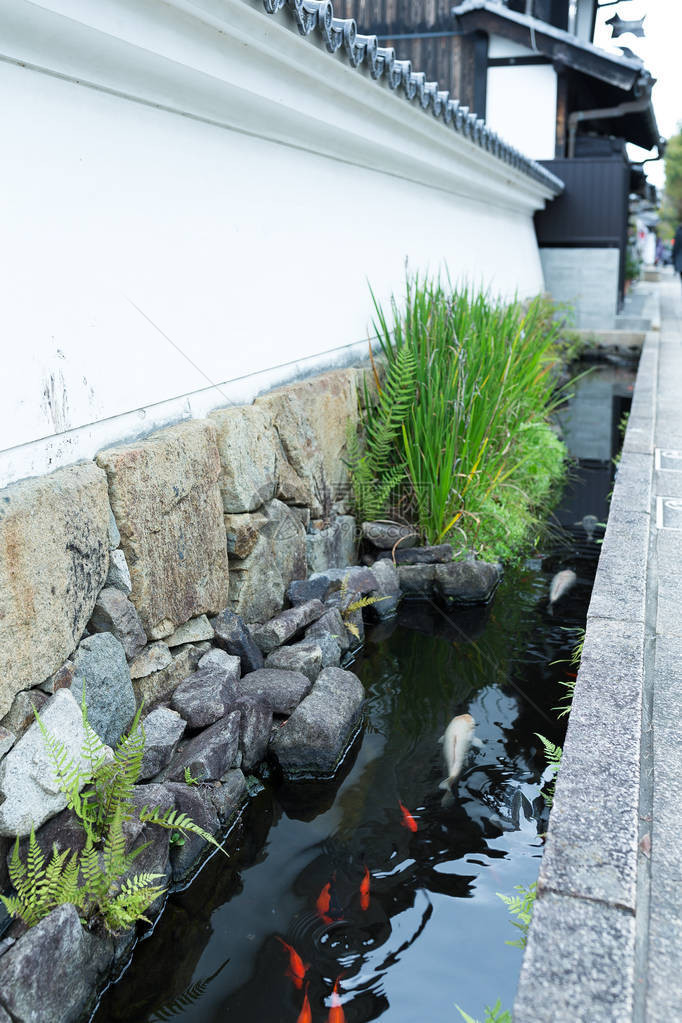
[(431, 931)]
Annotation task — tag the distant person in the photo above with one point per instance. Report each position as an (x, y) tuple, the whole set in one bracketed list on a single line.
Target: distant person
[(677, 251)]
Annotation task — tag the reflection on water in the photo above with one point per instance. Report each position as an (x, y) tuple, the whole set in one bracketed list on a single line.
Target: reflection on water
[(432, 932)]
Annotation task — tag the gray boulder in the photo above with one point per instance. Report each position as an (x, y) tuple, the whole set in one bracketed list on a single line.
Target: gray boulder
[(220, 659), (314, 739), (194, 800), (256, 584), (254, 729), (466, 582), (305, 657), (163, 730), (232, 635), (33, 992), (417, 580), (388, 589), (206, 696), (328, 645), (158, 686), (20, 715), (283, 690), (208, 755), (330, 624), (196, 630), (386, 535), (109, 696), (29, 794), (228, 795), (114, 613), (154, 657), (356, 579), (286, 625), (300, 591), (119, 573), (287, 537), (7, 740), (441, 554)]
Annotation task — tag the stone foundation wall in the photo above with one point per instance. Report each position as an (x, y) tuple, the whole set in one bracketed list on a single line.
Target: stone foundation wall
[(110, 570)]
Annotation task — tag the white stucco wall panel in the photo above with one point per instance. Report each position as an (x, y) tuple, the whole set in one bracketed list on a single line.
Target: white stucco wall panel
[(149, 254), (521, 106)]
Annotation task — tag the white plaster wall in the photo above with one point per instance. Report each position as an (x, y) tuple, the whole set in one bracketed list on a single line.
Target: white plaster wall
[(152, 253), (521, 106)]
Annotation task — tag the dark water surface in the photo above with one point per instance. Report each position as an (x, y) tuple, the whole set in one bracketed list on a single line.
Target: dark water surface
[(434, 931)]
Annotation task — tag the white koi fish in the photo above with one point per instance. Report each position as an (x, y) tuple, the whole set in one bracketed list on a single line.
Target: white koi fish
[(561, 583), (458, 739)]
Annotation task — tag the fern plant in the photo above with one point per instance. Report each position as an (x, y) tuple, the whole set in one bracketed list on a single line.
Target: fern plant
[(374, 471), (496, 1014), (521, 907), (553, 757), (355, 605), (98, 880)]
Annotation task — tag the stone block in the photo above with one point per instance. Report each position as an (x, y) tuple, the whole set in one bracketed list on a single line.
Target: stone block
[(314, 739), (158, 686), (579, 964), (165, 496), (232, 635), (197, 803), (228, 795), (282, 689), (256, 584), (196, 630), (287, 538), (286, 625), (466, 582), (21, 714), (60, 679), (155, 856), (242, 531), (330, 624), (163, 730), (206, 696), (54, 557), (29, 794), (440, 554), (78, 961), (208, 755), (101, 666), (118, 575), (388, 589), (249, 451), (305, 657), (417, 580), (114, 613), (7, 740), (386, 535), (300, 591), (254, 729), (154, 657)]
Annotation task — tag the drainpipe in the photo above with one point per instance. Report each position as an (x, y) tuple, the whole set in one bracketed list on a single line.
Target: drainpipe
[(595, 115)]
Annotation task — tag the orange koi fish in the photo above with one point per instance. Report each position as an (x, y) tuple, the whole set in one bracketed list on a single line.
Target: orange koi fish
[(323, 902), (408, 820), (305, 1015), (336, 1013), (297, 968), (364, 891)]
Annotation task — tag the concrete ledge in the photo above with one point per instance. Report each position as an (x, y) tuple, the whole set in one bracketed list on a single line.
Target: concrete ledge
[(580, 959)]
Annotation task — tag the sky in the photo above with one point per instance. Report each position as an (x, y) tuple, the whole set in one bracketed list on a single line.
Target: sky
[(661, 51)]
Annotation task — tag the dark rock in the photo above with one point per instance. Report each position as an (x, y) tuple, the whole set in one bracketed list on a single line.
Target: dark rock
[(314, 739), (356, 579), (330, 624), (282, 689), (158, 687), (351, 619), (254, 729), (300, 591), (196, 802), (232, 635), (466, 582), (101, 664), (51, 973), (440, 555), (163, 729), (386, 535), (61, 679), (20, 716), (388, 590), (208, 755), (63, 831), (417, 580), (154, 858), (7, 740), (116, 614), (207, 695), (228, 795), (5, 851), (286, 625), (305, 657)]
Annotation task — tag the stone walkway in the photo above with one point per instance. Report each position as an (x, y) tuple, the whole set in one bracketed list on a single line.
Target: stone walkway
[(605, 944)]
